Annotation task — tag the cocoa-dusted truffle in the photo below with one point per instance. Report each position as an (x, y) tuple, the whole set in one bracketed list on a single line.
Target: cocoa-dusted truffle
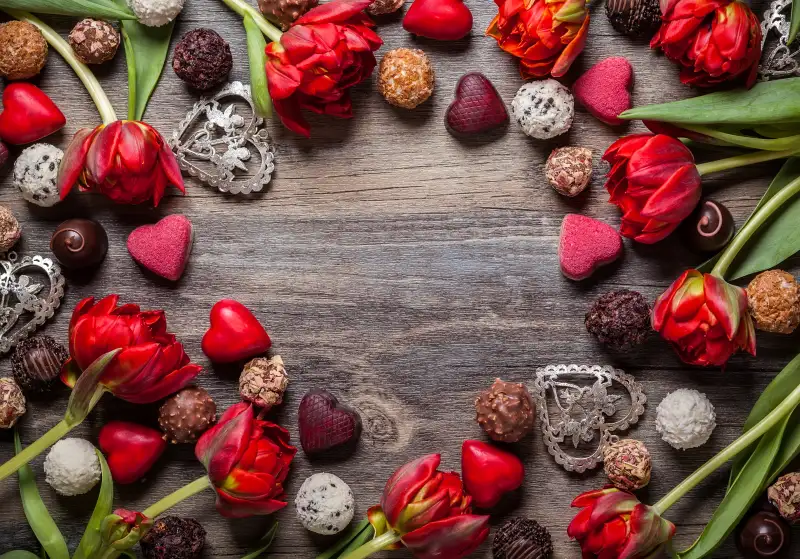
[(10, 231), (12, 403), (522, 538), (173, 537), (23, 50), (94, 41), (263, 382), (634, 17), (187, 415), (505, 411), (627, 464), (569, 170), (36, 363), (405, 77), (784, 495), (384, 7), (619, 319), (79, 243), (774, 300), (285, 12), (203, 59), (764, 535)]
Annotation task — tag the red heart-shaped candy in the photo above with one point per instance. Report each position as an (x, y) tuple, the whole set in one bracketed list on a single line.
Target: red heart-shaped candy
[(28, 114), (325, 423), (489, 472), (164, 247), (235, 334), (443, 20), (130, 449), (605, 89), (585, 245), (477, 106)]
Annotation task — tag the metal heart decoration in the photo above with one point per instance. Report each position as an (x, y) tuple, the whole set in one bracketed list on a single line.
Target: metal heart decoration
[(584, 410), (221, 150), (778, 60), (22, 295)]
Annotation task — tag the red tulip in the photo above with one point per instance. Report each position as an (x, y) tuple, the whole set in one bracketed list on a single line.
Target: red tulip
[(654, 181), (127, 161), (151, 364), (247, 460), (546, 35), (614, 524), (705, 318), (121, 531), (325, 53), (716, 41)]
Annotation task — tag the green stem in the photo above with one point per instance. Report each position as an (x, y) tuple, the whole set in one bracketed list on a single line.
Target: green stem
[(741, 160), (374, 546), (130, 60), (752, 142), (786, 407), (104, 106), (176, 497), (35, 449), (242, 8)]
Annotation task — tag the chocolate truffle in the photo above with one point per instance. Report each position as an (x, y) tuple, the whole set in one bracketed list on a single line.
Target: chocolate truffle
[(405, 77), (36, 363), (79, 243), (12, 403), (619, 319), (634, 17), (173, 537), (203, 59), (94, 41), (187, 415), (35, 174), (627, 464), (23, 50), (505, 411), (384, 7), (285, 12), (774, 301), (569, 170), (10, 231), (263, 382), (710, 227), (543, 109), (784, 495), (521, 538), (764, 535)]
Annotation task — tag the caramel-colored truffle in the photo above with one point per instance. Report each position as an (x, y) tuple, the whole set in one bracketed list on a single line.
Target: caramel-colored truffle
[(569, 170), (94, 41), (384, 7), (10, 230), (774, 300), (405, 78), (627, 464), (285, 12), (505, 411), (263, 381), (23, 50), (187, 415), (784, 495), (12, 403)]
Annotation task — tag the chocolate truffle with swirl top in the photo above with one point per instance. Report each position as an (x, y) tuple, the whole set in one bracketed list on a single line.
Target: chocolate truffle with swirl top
[(505, 411), (710, 227), (765, 535), (79, 243), (37, 362)]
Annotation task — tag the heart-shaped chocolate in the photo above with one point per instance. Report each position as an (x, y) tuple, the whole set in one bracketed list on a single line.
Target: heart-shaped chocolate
[(605, 89), (130, 449), (477, 107), (325, 423), (164, 247), (235, 333), (28, 114), (489, 472), (585, 245)]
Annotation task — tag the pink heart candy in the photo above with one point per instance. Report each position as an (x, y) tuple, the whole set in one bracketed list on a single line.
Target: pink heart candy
[(585, 245), (164, 247), (605, 89)]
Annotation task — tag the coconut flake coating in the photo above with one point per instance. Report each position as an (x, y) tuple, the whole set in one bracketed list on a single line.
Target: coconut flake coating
[(72, 467), (35, 174), (406, 78), (544, 109), (685, 419), (774, 300), (325, 504), (155, 13)]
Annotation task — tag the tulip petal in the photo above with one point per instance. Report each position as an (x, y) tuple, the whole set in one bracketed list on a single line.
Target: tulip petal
[(165, 386), (333, 12), (233, 507), (664, 302), (451, 538), (170, 168), (102, 156), (728, 303), (405, 483), (676, 198), (74, 161), (291, 116), (220, 448)]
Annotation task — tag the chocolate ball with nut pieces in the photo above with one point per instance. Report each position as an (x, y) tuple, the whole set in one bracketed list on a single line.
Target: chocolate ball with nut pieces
[(23, 50), (94, 41), (12, 403), (773, 298), (569, 170), (505, 411), (784, 495), (406, 77), (187, 414), (285, 12), (10, 230), (627, 464), (263, 382)]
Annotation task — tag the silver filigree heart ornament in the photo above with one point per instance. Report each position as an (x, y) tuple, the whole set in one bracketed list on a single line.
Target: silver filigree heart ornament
[(779, 59), (217, 145), (26, 302), (581, 406)]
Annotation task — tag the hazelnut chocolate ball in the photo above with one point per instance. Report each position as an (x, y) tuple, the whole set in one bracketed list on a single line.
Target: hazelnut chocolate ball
[(619, 319), (79, 243), (23, 50), (187, 415), (569, 170), (285, 12), (522, 538), (173, 537), (405, 77), (505, 411), (627, 464), (263, 382), (12, 403), (36, 363), (94, 41), (710, 227), (764, 535), (203, 59), (774, 300), (384, 7), (784, 495), (10, 231)]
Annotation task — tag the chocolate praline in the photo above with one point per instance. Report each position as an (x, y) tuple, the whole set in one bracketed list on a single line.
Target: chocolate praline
[(36, 363), (764, 535), (710, 227), (79, 243)]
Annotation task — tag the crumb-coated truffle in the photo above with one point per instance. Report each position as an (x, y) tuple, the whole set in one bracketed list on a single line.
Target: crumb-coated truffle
[(202, 59), (325, 504), (10, 230), (187, 414), (406, 77), (173, 537), (36, 363), (263, 382), (685, 419), (285, 12), (627, 464), (784, 495), (619, 319), (505, 411), (23, 50), (94, 41), (12, 403), (522, 538), (544, 109), (774, 300), (384, 7), (72, 467), (155, 13), (569, 169), (36, 172)]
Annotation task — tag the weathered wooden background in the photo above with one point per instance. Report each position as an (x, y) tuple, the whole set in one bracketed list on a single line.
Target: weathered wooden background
[(400, 268)]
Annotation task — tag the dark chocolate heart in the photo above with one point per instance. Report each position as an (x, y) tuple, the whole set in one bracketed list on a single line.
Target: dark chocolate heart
[(325, 423), (477, 107)]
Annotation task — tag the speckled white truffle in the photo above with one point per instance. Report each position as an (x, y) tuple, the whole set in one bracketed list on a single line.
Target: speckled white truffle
[(155, 13), (685, 418), (544, 109), (72, 467), (325, 504), (35, 174)]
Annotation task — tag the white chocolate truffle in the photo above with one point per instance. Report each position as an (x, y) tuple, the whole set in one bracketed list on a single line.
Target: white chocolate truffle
[(155, 13), (72, 467), (325, 504), (543, 109), (36, 172), (685, 419)]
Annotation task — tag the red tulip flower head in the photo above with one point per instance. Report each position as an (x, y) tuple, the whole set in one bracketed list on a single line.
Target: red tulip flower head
[(716, 41), (546, 35), (151, 363), (247, 460), (705, 318), (654, 181), (127, 161), (327, 51)]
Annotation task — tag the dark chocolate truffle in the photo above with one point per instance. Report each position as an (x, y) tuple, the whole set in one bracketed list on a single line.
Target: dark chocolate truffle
[(173, 537), (202, 59), (94, 41), (79, 243), (36, 363), (710, 227), (505, 411), (521, 538), (619, 319), (634, 17), (187, 415), (764, 535)]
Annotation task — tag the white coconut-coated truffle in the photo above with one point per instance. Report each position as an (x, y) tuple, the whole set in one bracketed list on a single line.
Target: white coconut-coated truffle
[(36, 172), (685, 418), (155, 13), (544, 109), (325, 504), (72, 467)]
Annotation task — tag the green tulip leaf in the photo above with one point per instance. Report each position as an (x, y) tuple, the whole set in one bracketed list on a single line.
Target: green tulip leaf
[(790, 448), (795, 25), (87, 390), (366, 535), (91, 540), (257, 56), (347, 538), (101, 9), (19, 554), (42, 524), (263, 543)]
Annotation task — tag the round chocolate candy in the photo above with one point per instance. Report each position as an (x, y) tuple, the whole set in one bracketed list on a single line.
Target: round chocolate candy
[(79, 243), (36, 363), (710, 227), (764, 535)]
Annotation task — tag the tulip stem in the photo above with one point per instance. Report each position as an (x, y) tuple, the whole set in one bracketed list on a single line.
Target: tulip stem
[(750, 437), (742, 160), (104, 106), (374, 546), (36, 448), (176, 497), (242, 8)]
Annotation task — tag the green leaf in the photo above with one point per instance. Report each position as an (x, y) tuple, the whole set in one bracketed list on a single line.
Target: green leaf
[(76, 8), (257, 56), (91, 540), (19, 554), (358, 541), (87, 390), (347, 537), (42, 524), (795, 26), (263, 543), (766, 102), (790, 448)]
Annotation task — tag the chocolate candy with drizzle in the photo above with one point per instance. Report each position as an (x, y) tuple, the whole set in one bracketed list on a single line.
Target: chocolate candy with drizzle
[(79, 243), (710, 227), (764, 535)]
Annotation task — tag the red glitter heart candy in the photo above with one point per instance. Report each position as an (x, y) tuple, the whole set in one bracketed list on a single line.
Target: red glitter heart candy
[(130, 449), (489, 472), (605, 89), (585, 245), (164, 247), (477, 107), (235, 333), (325, 423), (28, 114)]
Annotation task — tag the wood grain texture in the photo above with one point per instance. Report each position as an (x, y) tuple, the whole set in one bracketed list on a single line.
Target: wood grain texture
[(402, 269)]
